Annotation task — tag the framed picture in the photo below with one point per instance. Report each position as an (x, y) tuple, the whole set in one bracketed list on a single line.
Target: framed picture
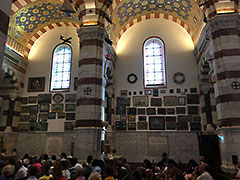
[(32, 126), (170, 125), (142, 118), (156, 123), (70, 97), (155, 92), (33, 109), (192, 98), (68, 126), (196, 119), (151, 111), (182, 119), (52, 115), (156, 102), (161, 111), (170, 100), (132, 118), (193, 110), (131, 111), (117, 117), (57, 108), (195, 126), (41, 126), (42, 118), (170, 110), (148, 92), (182, 126), (61, 115), (25, 109), (123, 92), (142, 125), (44, 98), (123, 101), (162, 91), (24, 118), (120, 110), (36, 84), (171, 119), (131, 126), (141, 111), (181, 101), (75, 84), (123, 118), (70, 116), (140, 101), (44, 107), (180, 110), (120, 125), (32, 99), (193, 90), (24, 100), (70, 107), (33, 118), (23, 127), (57, 98)]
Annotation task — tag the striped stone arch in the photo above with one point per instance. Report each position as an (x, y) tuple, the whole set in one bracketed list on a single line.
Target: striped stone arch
[(155, 16), (42, 31)]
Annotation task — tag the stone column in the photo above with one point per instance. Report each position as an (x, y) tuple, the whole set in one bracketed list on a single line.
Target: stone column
[(5, 9), (225, 36), (90, 94)]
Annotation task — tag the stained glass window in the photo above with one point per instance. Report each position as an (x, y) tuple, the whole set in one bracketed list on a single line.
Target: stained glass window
[(154, 63), (61, 68)]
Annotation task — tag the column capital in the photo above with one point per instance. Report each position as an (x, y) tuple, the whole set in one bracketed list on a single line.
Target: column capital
[(91, 32)]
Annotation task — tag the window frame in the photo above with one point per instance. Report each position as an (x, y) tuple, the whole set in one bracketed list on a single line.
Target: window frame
[(164, 61), (64, 89)]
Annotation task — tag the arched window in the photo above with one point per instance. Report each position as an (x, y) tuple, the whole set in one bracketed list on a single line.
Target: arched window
[(61, 68), (154, 63)]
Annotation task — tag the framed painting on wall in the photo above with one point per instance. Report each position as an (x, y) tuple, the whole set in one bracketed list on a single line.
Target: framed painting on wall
[(70, 97), (123, 101), (43, 117), (70, 107), (140, 101), (156, 123), (57, 108), (44, 98), (23, 127), (25, 109), (32, 99), (44, 107), (170, 100), (36, 84), (33, 109)]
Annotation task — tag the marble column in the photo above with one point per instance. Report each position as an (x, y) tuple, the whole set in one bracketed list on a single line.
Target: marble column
[(91, 92), (225, 36), (5, 9)]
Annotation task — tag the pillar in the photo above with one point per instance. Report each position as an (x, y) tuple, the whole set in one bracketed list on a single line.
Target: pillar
[(225, 36), (90, 93), (5, 9)]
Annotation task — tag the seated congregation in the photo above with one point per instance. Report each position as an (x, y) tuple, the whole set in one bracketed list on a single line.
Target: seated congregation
[(69, 168)]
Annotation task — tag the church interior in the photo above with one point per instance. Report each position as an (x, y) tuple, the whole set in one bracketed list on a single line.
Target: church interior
[(141, 77)]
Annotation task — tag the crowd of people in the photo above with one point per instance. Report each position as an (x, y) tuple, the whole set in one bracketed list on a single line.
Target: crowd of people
[(68, 168)]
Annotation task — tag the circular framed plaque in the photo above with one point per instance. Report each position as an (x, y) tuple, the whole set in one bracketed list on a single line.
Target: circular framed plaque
[(58, 98), (132, 78), (179, 78)]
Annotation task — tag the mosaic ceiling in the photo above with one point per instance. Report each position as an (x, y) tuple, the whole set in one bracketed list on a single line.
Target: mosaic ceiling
[(32, 17), (35, 15), (185, 10)]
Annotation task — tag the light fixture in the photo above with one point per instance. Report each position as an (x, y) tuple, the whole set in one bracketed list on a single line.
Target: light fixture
[(67, 8)]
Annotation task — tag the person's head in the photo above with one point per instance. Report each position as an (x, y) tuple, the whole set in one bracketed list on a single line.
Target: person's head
[(89, 159), (203, 167), (202, 159), (35, 160), (53, 157), (95, 163), (57, 170), (45, 157), (95, 176), (64, 164), (108, 171), (79, 172), (25, 156), (63, 155), (148, 164), (73, 161), (19, 164), (45, 168), (164, 155), (32, 171)]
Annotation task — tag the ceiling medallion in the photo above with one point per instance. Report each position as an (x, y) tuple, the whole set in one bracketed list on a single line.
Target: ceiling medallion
[(179, 78)]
